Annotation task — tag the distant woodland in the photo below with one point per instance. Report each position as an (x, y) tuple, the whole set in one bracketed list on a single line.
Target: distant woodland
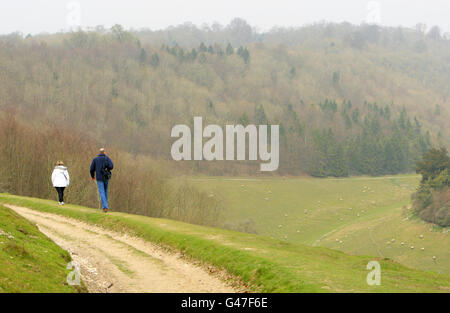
[(350, 100)]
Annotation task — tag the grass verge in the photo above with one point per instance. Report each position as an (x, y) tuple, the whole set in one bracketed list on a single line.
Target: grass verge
[(29, 261)]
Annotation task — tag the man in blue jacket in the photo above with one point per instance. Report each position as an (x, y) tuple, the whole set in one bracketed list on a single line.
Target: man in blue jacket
[(100, 167)]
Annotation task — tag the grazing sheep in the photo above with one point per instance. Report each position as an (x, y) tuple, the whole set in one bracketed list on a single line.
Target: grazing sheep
[(422, 249), (421, 236), (3, 233), (412, 247)]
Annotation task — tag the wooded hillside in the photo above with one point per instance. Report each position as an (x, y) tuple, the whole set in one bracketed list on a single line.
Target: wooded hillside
[(349, 99)]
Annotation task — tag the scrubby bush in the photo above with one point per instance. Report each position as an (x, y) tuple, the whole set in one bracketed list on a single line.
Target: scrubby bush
[(431, 202), (139, 186)]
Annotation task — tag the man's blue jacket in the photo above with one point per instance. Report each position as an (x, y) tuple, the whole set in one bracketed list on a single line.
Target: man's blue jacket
[(96, 166)]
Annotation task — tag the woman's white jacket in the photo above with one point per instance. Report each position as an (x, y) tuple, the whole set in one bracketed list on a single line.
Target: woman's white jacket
[(60, 177)]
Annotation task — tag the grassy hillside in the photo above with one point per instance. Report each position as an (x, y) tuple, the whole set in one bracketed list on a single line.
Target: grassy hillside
[(29, 261), (268, 265), (358, 215)]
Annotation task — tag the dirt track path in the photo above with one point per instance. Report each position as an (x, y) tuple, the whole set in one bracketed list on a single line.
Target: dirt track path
[(114, 262)]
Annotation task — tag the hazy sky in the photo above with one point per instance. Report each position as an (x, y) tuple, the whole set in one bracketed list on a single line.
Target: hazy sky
[(35, 16)]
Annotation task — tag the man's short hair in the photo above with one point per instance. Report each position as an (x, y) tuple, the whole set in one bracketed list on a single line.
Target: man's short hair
[(102, 150)]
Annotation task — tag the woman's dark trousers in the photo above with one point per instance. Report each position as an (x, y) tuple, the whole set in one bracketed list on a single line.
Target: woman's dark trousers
[(60, 191)]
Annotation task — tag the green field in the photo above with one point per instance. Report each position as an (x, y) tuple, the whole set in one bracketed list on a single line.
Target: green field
[(29, 261), (361, 215), (261, 263)]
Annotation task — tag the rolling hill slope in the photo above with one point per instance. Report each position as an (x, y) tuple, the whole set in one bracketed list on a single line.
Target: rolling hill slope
[(265, 264), (127, 89), (357, 215)]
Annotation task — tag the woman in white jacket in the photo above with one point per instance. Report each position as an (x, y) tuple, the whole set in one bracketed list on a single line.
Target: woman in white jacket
[(60, 180)]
